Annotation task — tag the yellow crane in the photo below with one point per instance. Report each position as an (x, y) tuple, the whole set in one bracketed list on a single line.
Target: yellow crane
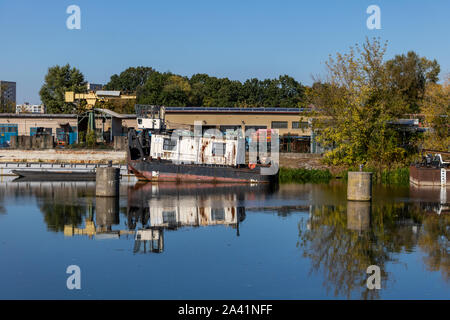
[(92, 98), (91, 230)]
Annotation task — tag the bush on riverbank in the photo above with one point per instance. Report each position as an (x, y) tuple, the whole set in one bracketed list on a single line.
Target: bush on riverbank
[(304, 175), (397, 176)]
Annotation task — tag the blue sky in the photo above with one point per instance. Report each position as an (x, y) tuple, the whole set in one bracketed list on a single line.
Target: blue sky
[(234, 39)]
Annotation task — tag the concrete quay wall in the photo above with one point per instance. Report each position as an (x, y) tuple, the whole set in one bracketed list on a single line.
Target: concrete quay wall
[(63, 156)]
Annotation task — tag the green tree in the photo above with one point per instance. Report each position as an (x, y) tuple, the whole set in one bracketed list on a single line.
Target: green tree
[(151, 91), (253, 93), (91, 139), (165, 89), (129, 80), (292, 92), (409, 75), (58, 80), (228, 94), (283, 92), (176, 91), (357, 107), (203, 90)]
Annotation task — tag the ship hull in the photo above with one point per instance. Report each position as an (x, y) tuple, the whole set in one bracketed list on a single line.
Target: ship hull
[(168, 171), (423, 176), (48, 175)]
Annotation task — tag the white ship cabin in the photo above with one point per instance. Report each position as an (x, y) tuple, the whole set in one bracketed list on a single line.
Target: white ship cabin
[(187, 149)]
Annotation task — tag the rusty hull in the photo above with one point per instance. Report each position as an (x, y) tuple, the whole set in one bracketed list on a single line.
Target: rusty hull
[(423, 176)]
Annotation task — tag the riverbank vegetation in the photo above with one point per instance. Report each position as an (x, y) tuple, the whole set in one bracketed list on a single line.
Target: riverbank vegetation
[(398, 176), (304, 175)]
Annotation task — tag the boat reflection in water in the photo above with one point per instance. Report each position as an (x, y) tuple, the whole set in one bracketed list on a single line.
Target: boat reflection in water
[(153, 208), (170, 206), (432, 199)]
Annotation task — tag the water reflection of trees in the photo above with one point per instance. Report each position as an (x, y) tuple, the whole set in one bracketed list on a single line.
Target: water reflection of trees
[(65, 206), (434, 242), (342, 249)]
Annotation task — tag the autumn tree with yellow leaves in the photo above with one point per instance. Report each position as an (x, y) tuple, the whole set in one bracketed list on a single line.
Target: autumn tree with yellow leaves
[(436, 108), (359, 101)]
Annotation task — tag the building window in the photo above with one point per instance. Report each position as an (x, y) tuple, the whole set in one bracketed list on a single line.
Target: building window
[(169, 144), (279, 124), (300, 125), (218, 149)]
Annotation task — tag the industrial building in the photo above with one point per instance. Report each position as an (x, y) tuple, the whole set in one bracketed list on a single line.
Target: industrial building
[(294, 130), (7, 96), (94, 86), (295, 133), (30, 108)]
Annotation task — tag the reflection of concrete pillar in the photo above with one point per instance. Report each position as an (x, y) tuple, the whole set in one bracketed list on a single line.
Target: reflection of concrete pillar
[(358, 215), (107, 211), (359, 186)]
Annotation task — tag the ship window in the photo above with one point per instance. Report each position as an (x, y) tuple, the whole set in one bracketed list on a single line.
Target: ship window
[(169, 217), (169, 144), (217, 214), (218, 149)]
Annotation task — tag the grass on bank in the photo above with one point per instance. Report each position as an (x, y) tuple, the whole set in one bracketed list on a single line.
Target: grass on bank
[(304, 175), (398, 176)]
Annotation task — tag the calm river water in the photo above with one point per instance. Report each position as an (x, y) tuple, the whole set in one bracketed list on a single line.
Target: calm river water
[(199, 241)]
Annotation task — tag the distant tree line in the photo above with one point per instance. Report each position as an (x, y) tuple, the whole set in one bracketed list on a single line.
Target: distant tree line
[(202, 90), (169, 89), (406, 76)]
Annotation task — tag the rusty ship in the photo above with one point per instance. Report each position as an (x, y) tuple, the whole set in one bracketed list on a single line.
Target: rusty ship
[(433, 170), (156, 153)]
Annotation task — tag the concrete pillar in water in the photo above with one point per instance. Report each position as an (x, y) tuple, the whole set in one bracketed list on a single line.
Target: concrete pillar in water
[(359, 186), (106, 211), (358, 215), (107, 182)]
